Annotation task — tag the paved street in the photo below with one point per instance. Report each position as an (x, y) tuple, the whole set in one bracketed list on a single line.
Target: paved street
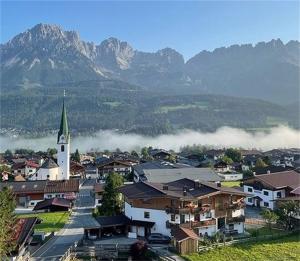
[(73, 231)]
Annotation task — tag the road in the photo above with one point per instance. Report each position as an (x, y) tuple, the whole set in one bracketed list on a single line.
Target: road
[(73, 231)]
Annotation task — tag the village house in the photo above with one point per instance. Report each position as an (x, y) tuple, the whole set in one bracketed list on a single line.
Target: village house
[(22, 236), (202, 207), (25, 168), (48, 171), (160, 154), (140, 169), (109, 166), (29, 193), (168, 175), (267, 188)]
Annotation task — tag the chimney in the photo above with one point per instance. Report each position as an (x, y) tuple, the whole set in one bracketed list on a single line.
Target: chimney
[(197, 184), (254, 173), (165, 187), (218, 184), (268, 172)]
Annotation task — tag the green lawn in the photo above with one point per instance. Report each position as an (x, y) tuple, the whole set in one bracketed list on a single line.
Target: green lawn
[(52, 221), (286, 248), (263, 231), (231, 183)]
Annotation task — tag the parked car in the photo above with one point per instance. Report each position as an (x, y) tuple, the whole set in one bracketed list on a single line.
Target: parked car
[(158, 238)]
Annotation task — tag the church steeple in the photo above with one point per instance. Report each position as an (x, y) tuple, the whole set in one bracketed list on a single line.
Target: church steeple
[(63, 129), (63, 145)]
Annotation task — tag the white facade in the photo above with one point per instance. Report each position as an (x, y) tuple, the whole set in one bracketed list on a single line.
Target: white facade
[(267, 197), (63, 158), (159, 217), (43, 174), (231, 176)]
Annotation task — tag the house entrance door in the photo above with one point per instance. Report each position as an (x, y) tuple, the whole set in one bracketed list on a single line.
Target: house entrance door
[(182, 218)]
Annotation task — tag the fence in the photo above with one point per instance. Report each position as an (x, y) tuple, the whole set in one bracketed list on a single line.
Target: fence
[(246, 239)]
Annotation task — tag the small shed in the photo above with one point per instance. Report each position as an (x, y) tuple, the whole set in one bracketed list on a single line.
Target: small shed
[(185, 240), (54, 204)]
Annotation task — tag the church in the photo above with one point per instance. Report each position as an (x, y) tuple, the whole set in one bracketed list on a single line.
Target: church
[(50, 170)]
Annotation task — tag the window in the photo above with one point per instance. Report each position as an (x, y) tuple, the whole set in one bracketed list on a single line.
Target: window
[(32, 203), (250, 190), (172, 217), (30, 170), (266, 193), (250, 200), (49, 196), (62, 148), (146, 214), (208, 214), (266, 204), (48, 176), (278, 194), (231, 226)]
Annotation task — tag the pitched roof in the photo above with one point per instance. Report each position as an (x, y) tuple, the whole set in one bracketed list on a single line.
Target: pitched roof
[(49, 164), (37, 186), (168, 175), (281, 179), (181, 234), (271, 169), (63, 129), (47, 203), (54, 186), (193, 189), (23, 229)]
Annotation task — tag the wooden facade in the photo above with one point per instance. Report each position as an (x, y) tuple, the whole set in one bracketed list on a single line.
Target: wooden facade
[(187, 246)]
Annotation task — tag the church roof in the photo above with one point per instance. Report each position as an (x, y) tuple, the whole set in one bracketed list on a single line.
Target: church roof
[(49, 164), (63, 129)]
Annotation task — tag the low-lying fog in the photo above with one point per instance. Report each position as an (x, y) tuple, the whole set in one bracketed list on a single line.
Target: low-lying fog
[(277, 137)]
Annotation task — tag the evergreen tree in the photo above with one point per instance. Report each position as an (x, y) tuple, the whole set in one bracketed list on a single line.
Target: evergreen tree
[(112, 202), (76, 156), (260, 163), (7, 221), (234, 154)]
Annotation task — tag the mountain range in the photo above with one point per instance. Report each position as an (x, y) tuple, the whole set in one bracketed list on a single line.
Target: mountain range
[(46, 55), (113, 86)]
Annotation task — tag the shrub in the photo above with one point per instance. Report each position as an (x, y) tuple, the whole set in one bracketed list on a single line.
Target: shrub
[(138, 250)]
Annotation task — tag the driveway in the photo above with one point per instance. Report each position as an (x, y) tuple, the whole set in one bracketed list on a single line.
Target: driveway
[(73, 231), (253, 212)]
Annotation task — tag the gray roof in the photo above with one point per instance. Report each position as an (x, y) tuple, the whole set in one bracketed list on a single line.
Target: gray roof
[(49, 164), (168, 175), (157, 164)]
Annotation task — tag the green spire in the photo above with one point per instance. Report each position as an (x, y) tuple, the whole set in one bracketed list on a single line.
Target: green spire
[(63, 129)]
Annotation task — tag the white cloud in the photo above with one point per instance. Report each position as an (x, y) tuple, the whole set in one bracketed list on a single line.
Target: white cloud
[(277, 137)]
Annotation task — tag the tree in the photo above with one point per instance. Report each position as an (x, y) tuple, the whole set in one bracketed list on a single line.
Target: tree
[(76, 156), (234, 154), (227, 160), (138, 250), (7, 221), (111, 197), (51, 152), (8, 154), (270, 217), (286, 212), (134, 154), (171, 158), (260, 163)]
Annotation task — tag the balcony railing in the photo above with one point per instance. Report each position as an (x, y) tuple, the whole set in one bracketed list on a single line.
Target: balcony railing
[(195, 224), (235, 219), (186, 210)]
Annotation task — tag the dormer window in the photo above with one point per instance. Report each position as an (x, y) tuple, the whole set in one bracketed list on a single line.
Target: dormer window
[(62, 148)]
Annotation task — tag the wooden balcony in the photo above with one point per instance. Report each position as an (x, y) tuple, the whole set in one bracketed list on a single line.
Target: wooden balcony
[(235, 219), (195, 224), (186, 210)]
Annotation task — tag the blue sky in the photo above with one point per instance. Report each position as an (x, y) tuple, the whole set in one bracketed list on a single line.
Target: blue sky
[(188, 27)]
